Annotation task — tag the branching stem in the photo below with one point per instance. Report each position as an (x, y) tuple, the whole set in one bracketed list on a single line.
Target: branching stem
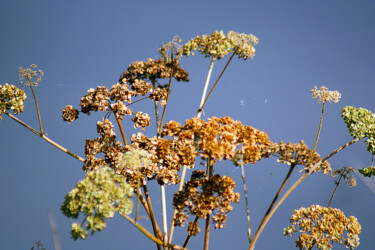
[(37, 110)]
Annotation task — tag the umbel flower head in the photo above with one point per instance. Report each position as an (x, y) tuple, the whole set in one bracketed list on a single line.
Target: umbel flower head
[(346, 174), (98, 196), (11, 98), (29, 76), (324, 95), (322, 226), (218, 45)]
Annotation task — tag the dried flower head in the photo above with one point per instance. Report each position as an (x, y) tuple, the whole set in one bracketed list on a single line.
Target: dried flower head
[(11, 98), (324, 95), (296, 154), (344, 173), (141, 120), (171, 50), (121, 92), (96, 99), (70, 114), (30, 77), (218, 45), (202, 196), (322, 226)]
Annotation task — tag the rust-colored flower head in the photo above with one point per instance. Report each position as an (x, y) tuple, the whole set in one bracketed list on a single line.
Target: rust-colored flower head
[(96, 99), (70, 114)]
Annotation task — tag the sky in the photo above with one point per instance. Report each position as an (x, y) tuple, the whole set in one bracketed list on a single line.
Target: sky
[(83, 44)]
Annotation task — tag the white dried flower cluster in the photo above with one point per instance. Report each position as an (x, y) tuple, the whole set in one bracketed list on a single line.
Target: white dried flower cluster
[(324, 95)]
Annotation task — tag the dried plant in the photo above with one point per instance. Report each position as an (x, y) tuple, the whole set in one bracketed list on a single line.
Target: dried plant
[(119, 168)]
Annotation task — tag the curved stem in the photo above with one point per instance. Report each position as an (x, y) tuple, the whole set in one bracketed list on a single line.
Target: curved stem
[(37, 110), (290, 190), (148, 234), (44, 137)]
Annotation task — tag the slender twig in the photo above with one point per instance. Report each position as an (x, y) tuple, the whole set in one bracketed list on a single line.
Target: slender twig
[(143, 98), (55, 235), (290, 190), (37, 110), (276, 196), (200, 110), (148, 234), (121, 129), (247, 202), (318, 134), (44, 137), (151, 214), (334, 191), (189, 235), (222, 72), (137, 204)]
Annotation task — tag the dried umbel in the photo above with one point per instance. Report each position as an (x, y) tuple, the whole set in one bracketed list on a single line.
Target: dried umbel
[(324, 95), (296, 154), (70, 114), (153, 70), (217, 139), (11, 98), (202, 196), (96, 99), (141, 120), (30, 77), (346, 174), (218, 45), (322, 226)]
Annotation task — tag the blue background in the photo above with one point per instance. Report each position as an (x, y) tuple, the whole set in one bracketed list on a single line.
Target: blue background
[(83, 44)]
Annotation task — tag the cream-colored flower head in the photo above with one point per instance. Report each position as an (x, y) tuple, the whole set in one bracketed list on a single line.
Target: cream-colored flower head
[(324, 95)]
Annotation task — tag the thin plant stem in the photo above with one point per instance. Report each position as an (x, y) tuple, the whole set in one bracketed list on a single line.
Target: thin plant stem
[(318, 134), (149, 235), (292, 166), (164, 210), (334, 191), (200, 110), (37, 110), (55, 235), (222, 72), (290, 190), (143, 98), (247, 202), (207, 226), (137, 205), (121, 129), (151, 214), (44, 137), (189, 236)]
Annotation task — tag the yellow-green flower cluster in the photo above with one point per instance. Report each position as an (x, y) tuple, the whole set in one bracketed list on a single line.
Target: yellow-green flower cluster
[(29, 76), (360, 123), (11, 98), (217, 45), (367, 172), (324, 95), (98, 196), (322, 226)]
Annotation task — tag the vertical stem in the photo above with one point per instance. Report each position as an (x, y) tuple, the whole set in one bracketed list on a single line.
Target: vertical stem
[(121, 129), (207, 226), (138, 194), (164, 209), (247, 202), (334, 191), (205, 87), (37, 110)]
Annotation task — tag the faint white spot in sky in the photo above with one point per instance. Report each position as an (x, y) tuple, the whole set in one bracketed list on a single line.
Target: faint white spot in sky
[(242, 104), (265, 101)]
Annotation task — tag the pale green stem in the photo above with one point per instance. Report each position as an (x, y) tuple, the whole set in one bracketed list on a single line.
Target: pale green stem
[(290, 190), (206, 87), (44, 137), (247, 202)]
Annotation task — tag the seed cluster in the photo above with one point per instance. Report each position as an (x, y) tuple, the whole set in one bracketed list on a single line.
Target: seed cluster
[(30, 77), (296, 154), (344, 173), (321, 226), (202, 196)]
